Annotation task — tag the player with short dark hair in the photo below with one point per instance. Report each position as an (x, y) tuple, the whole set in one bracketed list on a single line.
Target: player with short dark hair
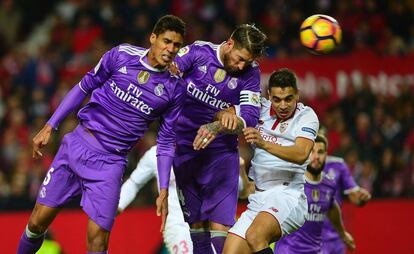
[(206, 165), (282, 142), (130, 87)]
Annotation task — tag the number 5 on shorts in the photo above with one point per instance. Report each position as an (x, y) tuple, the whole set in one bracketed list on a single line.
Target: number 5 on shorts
[(48, 176)]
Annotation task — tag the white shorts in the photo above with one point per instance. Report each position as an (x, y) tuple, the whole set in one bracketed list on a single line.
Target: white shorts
[(177, 239), (288, 204)]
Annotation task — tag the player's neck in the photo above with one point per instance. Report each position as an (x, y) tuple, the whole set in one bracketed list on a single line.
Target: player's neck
[(152, 61), (312, 177)]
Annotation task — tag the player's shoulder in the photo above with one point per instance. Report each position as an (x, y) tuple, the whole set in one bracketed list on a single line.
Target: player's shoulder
[(205, 45), (303, 109), (127, 53), (335, 163), (198, 48), (265, 104), (131, 50), (328, 181), (334, 159)]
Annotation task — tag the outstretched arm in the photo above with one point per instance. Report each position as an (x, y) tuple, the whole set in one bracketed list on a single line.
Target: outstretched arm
[(359, 197), (226, 121), (335, 216), (71, 101)]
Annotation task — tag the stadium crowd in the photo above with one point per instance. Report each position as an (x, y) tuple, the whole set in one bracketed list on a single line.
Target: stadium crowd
[(45, 50)]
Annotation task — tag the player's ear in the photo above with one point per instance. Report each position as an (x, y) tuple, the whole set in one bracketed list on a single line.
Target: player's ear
[(230, 43), (153, 37)]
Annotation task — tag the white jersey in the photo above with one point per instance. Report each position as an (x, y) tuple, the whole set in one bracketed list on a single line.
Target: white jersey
[(177, 232), (267, 168)]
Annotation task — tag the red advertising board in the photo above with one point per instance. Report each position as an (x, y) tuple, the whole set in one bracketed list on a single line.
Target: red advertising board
[(383, 226), (385, 75)]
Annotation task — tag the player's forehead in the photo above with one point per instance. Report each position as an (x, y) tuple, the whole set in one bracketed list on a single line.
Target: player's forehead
[(243, 54), (319, 146), (282, 92), (171, 36)]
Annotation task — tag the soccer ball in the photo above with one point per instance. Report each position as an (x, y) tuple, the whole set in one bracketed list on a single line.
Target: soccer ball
[(320, 34)]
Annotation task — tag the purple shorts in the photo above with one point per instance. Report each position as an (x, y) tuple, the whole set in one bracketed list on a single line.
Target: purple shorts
[(333, 247), (83, 167), (207, 184)]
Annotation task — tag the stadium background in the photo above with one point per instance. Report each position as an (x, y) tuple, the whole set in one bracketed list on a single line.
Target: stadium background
[(363, 93)]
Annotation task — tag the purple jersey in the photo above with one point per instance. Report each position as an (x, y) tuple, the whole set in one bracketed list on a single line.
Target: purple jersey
[(308, 239), (337, 169), (127, 95), (210, 89)]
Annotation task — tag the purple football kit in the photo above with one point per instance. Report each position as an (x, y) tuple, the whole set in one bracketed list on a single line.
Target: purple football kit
[(127, 94), (207, 180), (308, 238), (337, 169)]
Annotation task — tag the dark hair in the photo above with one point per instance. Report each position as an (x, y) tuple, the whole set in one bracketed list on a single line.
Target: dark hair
[(250, 38), (169, 23), (283, 77), (322, 139)]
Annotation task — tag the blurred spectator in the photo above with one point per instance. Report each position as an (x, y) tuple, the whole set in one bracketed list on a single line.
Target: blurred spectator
[(10, 22), (372, 131)]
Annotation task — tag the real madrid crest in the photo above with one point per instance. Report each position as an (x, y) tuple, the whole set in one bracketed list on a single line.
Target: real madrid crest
[(232, 83), (219, 75), (283, 127), (255, 99), (315, 195), (159, 90), (143, 77)]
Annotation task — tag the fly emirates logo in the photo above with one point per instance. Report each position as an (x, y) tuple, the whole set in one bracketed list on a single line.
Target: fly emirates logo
[(315, 213), (267, 137), (208, 96), (131, 96)]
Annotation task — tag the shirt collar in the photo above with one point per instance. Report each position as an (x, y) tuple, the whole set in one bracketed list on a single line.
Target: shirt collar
[(218, 53), (143, 60)]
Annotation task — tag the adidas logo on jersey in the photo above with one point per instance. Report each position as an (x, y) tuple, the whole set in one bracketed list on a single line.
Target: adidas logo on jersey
[(123, 70)]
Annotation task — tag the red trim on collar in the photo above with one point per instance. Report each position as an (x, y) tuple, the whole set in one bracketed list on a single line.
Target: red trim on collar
[(272, 112), (276, 123)]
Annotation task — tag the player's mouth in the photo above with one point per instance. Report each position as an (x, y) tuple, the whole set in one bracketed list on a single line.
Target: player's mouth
[(284, 114), (166, 58)]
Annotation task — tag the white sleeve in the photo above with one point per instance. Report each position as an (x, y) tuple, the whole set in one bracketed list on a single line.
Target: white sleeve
[(145, 170), (308, 125)]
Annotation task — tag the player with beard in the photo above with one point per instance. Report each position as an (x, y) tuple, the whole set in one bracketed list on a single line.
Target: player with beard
[(320, 192), (282, 142), (207, 158), (337, 169)]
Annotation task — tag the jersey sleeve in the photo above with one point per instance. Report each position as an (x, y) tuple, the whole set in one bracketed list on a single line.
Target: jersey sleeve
[(308, 126), (166, 141), (101, 72), (145, 171), (347, 180), (72, 100), (249, 107), (186, 57)]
